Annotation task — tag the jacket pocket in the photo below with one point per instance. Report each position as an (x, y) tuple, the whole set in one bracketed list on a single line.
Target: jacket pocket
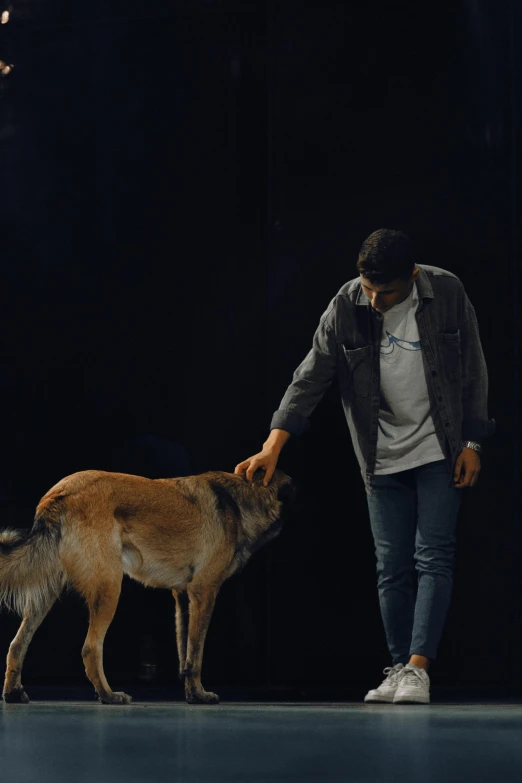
[(359, 366), (450, 353)]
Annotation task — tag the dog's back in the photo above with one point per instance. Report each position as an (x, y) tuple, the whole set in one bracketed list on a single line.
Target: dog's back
[(161, 532)]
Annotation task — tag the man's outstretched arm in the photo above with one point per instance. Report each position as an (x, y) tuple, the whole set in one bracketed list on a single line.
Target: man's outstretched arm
[(310, 382)]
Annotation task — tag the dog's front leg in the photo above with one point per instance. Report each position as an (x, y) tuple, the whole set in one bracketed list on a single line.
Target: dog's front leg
[(201, 605), (182, 621)]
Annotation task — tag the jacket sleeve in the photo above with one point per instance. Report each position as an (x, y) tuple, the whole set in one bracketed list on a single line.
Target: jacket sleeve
[(475, 425), (310, 382)]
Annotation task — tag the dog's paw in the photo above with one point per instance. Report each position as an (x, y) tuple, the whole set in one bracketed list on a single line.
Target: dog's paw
[(117, 697), (202, 697), (16, 696)]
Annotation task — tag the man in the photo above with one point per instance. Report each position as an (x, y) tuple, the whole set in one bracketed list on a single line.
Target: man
[(404, 342)]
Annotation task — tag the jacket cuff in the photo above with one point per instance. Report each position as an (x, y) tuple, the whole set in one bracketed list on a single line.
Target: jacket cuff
[(478, 430), (290, 421)]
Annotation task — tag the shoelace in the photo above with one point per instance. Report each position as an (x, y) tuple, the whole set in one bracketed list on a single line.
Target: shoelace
[(413, 679), (391, 673)]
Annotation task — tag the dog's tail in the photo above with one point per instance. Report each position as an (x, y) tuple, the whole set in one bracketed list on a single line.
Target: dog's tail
[(31, 574)]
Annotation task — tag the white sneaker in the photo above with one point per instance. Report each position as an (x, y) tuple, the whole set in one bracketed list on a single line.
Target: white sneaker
[(414, 686), (385, 693)]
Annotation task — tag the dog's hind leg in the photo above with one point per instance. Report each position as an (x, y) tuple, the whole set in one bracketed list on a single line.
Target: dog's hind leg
[(102, 601), (182, 621), (13, 690), (201, 604)]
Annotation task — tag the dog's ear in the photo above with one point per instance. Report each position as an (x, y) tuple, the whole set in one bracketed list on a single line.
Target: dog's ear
[(258, 477), (286, 494)]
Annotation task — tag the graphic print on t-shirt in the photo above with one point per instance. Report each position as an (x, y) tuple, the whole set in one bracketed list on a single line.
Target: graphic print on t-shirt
[(393, 341)]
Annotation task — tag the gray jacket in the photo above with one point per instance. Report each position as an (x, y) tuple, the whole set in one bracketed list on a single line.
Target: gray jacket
[(346, 344)]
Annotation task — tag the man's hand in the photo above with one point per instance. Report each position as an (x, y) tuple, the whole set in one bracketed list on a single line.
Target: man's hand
[(266, 459), (467, 469)]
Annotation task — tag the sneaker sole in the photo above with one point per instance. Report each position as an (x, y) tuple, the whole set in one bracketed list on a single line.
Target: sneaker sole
[(378, 701), (411, 701)]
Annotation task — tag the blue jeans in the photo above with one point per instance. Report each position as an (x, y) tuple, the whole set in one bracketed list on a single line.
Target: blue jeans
[(413, 516)]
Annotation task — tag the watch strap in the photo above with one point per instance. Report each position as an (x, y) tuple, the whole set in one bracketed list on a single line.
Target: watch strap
[(471, 444)]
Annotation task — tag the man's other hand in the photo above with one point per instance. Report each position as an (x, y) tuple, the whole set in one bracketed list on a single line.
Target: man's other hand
[(467, 469)]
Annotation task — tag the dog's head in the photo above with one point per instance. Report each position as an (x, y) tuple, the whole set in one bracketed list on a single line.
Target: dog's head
[(281, 486), (280, 494), (262, 510)]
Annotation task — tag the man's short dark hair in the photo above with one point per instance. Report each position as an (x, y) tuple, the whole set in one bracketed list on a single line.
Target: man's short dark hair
[(385, 256)]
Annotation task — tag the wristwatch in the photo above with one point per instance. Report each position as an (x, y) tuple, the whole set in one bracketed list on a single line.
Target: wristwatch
[(471, 444)]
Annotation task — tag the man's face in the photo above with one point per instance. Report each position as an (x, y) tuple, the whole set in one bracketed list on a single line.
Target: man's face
[(384, 297)]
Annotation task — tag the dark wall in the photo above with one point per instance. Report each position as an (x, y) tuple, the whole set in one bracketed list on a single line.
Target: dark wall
[(186, 187)]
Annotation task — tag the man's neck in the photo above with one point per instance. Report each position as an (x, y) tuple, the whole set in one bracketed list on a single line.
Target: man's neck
[(405, 297)]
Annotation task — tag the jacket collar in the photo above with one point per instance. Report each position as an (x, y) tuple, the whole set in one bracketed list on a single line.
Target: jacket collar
[(424, 288)]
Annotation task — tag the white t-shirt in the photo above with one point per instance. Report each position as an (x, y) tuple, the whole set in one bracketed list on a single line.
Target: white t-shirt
[(406, 437)]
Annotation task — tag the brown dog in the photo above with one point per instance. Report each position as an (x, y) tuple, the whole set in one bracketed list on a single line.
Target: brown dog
[(184, 534)]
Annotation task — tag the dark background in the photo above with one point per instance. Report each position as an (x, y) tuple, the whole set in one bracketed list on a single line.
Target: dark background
[(185, 186)]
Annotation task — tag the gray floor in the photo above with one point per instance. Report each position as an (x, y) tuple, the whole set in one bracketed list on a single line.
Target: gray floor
[(174, 742)]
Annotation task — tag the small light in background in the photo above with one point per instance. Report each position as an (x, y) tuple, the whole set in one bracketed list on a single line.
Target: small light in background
[(5, 16)]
